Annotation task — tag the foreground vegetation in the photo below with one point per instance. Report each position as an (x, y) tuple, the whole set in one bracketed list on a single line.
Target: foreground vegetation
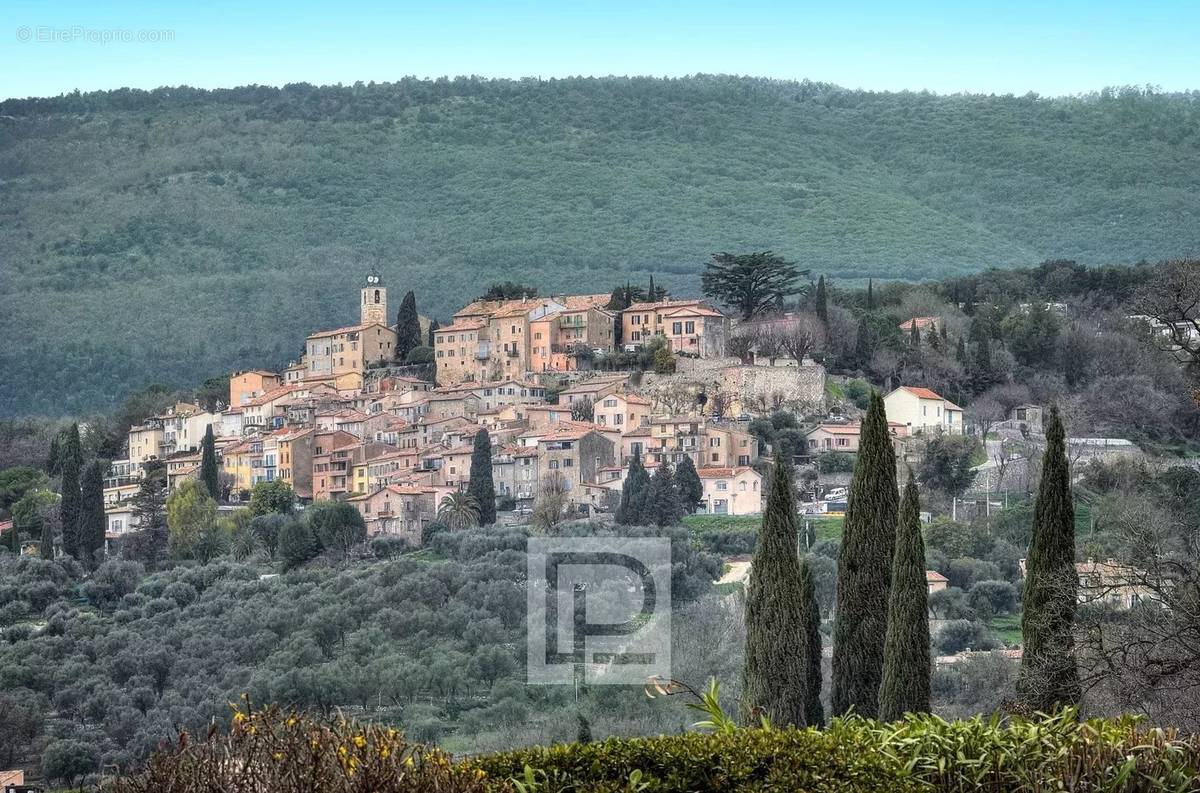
[(275, 752), (161, 236)]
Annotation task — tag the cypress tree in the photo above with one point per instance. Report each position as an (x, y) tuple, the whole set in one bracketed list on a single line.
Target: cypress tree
[(46, 546), (70, 464), (1049, 678), (870, 294), (408, 326), (634, 492), (688, 485), (775, 671), (863, 347), (652, 295), (942, 332), (821, 301), (662, 504), (814, 711), (208, 465), (433, 328), (13, 539), (981, 365), (864, 570), (906, 668), (960, 352), (90, 535), (915, 335), (481, 487), (932, 338)]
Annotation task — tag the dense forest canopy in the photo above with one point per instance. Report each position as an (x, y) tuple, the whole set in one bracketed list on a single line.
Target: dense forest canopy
[(173, 234)]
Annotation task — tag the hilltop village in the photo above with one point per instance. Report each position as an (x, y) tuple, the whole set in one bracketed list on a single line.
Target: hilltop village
[(349, 422)]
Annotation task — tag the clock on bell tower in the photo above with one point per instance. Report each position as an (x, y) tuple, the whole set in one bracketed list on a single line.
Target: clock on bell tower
[(374, 300)]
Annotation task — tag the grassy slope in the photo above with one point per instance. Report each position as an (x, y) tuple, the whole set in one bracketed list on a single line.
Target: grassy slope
[(170, 242)]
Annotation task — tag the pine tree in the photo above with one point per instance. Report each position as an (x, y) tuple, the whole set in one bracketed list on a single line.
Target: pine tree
[(1049, 678), (775, 671), (821, 301), (150, 514), (408, 326), (433, 329), (688, 485), (71, 464), (634, 492), (481, 487), (90, 533), (814, 711), (662, 504), (870, 294), (906, 668), (208, 465), (864, 570)]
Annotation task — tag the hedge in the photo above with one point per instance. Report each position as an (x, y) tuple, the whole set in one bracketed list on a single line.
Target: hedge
[(275, 752)]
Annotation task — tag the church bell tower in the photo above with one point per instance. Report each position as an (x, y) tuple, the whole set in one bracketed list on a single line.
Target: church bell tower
[(374, 300)]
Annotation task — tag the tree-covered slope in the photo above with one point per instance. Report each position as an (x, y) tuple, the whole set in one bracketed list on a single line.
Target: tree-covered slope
[(169, 235)]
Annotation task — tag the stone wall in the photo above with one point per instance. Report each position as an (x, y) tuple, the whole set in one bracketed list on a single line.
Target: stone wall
[(749, 389)]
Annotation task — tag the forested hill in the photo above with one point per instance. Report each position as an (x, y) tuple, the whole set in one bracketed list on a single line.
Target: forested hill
[(169, 235)]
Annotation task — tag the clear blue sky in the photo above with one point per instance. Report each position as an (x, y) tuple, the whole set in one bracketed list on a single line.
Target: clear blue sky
[(1048, 46)]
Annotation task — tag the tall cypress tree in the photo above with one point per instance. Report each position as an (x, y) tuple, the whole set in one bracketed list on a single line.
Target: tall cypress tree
[(46, 546), (408, 326), (634, 492), (864, 570), (652, 294), (906, 668), (481, 487), (821, 301), (1049, 678), (864, 348), (70, 463), (775, 673), (814, 711), (208, 465), (90, 535), (870, 294), (914, 336), (433, 328), (688, 485)]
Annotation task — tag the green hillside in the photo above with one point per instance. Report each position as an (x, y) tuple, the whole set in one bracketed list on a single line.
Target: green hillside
[(170, 235)]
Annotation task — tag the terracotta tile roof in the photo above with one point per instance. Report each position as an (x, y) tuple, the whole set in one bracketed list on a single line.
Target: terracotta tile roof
[(722, 473), (933, 576), (923, 393), (663, 305), (638, 432), (922, 323), (582, 302), (347, 329), (462, 325), (271, 396), (838, 429), (693, 311)]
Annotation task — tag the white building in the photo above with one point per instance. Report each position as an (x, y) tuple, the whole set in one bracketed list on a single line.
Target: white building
[(923, 410)]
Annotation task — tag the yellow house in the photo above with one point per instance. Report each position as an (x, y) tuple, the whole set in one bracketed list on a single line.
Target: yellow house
[(239, 462), (145, 442), (348, 350), (923, 410)]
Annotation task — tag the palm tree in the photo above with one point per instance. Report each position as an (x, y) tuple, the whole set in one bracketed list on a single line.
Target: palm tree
[(459, 511)]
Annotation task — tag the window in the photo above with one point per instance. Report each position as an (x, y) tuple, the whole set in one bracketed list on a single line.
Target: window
[(676, 328), (610, 403), (554, 465), (568, 463), (689, 327), (722, 485), (617, 419), (716, 456), (714, 443), (841, 441)]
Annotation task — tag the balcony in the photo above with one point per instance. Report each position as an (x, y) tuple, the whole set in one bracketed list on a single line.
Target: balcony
[(483, 350)]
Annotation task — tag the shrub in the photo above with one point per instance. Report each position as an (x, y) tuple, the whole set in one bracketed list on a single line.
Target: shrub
[(958, 635), (273, 751), (835, 463), (419, 355)]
